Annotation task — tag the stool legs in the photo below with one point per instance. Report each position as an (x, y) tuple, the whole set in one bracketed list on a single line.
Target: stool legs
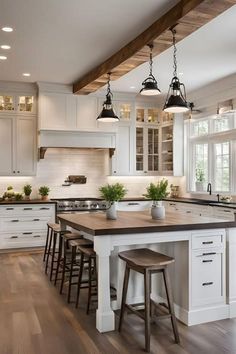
[(81, 268), (46, 246), (49, 249), (63, 267), (73, 256), (58, 259), (147, 293), (53, 254), (171, 304), (124, 294)]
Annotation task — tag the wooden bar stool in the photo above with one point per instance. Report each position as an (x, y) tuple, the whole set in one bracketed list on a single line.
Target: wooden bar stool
[(87, 255), (54, 230), (63, 247), (148, 262), (71, 260)]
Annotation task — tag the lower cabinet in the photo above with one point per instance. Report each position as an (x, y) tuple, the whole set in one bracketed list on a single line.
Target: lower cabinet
[(207, 268), (25, 225)]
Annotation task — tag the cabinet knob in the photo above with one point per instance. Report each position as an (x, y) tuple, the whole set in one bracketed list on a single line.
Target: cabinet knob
[(145, 171), (18, 171), (14, 171), (114, 171)]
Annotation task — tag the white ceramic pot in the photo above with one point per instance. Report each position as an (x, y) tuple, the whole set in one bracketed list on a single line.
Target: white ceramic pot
[(158, 210), (199, 186), (111, 211)]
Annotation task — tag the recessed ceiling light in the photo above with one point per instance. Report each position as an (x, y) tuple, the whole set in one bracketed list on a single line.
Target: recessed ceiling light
[(5, 46), (26, 74), (7, 29), (132, 87), (2, 57)]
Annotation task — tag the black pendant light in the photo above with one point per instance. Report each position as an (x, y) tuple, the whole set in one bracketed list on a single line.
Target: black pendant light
[(176, 97), (150, 87), (107, 114)]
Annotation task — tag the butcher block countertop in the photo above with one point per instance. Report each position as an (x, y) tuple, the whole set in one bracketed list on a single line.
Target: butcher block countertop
[(31, 201), (140, 222)]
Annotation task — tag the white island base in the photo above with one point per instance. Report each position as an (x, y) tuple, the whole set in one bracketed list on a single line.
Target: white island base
[(203, 276)]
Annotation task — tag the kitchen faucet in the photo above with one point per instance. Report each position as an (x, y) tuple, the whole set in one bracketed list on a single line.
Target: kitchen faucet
[(209, 188)]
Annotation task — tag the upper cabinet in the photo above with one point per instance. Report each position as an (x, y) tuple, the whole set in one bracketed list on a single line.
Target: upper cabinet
[(18, 146), (17, 103), (157, 152)]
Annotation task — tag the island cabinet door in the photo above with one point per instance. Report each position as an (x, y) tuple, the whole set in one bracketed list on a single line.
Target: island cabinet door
[(207, 277)]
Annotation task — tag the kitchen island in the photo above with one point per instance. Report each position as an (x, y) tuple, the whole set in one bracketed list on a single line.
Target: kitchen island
[(198, 276)]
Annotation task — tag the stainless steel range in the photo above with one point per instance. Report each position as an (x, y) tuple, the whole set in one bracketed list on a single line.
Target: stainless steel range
[(74, 205)]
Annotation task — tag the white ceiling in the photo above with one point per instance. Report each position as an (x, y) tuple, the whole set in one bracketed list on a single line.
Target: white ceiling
[(59, 41)]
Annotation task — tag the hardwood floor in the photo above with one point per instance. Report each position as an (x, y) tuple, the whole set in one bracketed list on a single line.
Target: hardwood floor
[(35, 319)]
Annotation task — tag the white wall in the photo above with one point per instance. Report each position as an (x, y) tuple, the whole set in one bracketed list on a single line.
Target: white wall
[(59, 163)]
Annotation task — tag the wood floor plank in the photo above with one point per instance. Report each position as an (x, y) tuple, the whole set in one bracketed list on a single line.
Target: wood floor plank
[(35, 319)]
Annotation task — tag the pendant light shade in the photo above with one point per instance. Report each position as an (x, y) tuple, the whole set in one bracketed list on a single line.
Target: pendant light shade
[(108, 114), (176, 98), (150, 87)]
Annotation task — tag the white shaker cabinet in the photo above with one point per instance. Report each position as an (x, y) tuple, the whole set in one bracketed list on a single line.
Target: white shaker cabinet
[(17, 145), (25, 225)]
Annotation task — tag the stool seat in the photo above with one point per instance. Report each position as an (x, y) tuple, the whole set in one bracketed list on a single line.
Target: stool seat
[(72, 236), (88, 251), (145, 258), (80, 242)]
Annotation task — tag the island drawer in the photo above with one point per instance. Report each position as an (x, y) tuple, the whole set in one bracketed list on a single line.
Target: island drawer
[(209, 240), (207, 277)]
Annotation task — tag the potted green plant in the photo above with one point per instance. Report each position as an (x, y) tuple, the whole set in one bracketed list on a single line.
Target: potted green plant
[(44, 192), (200, 179), (27, 191), (157, 192), (9, 194), (112, 193)]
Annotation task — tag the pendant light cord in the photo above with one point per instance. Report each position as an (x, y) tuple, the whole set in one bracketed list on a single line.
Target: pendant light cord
[(109, 93), (150, 58), (174, 54)]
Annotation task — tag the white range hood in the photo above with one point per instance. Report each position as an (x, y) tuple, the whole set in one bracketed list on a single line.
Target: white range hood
[(75, 139)]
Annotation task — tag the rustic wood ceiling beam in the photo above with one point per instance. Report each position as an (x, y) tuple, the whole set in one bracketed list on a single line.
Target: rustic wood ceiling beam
[(189, 14)]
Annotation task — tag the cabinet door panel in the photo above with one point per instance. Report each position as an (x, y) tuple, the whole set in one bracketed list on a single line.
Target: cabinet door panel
[(6, 145), (86, 113), (26, 159), (124, 152)]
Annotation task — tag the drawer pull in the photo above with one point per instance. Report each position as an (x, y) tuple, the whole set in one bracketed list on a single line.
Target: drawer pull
[(9, 208), (14, 237), (27, 233), (208, 283), (227, 211), (36, 236), (207, 242), (172, 204), (208, 254), (207, 260), (44, 208), (133, 203), (188, 211), (28, 208), (36, 219), (15, 220)]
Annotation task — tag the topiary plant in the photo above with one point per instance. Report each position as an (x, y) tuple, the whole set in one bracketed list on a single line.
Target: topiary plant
[(157, 192), (113, 192)]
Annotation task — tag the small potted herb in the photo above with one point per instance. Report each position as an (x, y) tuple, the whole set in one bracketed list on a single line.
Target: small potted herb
[(200, 179), (112, 193), (18, 196), (44, 192), (157, 192), (27, 191)]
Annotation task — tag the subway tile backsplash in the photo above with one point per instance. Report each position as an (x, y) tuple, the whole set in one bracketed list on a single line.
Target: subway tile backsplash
[(94, 164)]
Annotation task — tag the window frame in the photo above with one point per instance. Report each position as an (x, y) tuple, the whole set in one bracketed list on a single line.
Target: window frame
[(211, 138)]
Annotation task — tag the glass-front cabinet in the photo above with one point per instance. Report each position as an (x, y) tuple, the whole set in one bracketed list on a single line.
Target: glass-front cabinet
[(154, 142), (26, 104), (6, 103), (15, 103)]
